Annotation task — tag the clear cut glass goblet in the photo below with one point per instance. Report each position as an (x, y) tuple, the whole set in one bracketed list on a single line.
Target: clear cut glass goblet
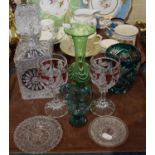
[(104, 73), (54, 74)]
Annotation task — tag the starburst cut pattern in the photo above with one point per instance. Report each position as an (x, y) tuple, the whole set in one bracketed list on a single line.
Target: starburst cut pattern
[(31, 80)]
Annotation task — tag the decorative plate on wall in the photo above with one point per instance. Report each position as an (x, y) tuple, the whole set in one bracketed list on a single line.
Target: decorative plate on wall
[(125, 9), (108, 8), (114, 8)]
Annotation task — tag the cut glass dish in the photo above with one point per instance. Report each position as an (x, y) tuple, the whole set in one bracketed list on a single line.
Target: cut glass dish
[(108, 131), (38, 134)]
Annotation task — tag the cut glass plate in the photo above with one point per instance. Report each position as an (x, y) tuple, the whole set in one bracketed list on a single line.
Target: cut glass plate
[(38, 134), (108, 131)]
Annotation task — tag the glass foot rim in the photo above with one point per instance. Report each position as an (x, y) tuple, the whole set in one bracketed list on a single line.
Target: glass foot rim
[(78, 123), (113, 108), (59, 116)]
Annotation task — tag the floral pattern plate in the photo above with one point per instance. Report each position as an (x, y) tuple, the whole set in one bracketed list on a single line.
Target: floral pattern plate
[(108, 8), (38, 134), (108, 131), (125, 9), (122, 12)]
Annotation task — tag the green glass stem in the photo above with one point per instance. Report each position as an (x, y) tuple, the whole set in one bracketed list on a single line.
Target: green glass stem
[(79, 70), (80, 44), (78, 121), (78, 100)]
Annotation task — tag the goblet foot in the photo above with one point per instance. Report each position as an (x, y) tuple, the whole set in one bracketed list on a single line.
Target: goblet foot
[(56, 108), (101, 107), (78, 121)]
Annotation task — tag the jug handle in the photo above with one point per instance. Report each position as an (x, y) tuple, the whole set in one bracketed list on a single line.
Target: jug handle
[(100, 38)]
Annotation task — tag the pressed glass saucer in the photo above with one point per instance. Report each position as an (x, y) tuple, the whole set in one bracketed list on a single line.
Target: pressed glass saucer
[(108, 131), (38, 134)]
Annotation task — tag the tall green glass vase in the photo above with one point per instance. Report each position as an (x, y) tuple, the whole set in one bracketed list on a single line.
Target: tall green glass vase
[(79, 70), (78, 92)]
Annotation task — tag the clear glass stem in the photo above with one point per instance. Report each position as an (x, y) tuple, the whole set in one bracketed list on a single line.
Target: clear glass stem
[(55, 95), (55, 98), (103, 95)]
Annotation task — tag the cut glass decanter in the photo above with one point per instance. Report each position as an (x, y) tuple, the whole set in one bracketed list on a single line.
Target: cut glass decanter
[(29, 52)]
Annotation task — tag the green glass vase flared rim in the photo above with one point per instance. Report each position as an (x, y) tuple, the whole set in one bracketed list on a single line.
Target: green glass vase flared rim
[(80, 30)]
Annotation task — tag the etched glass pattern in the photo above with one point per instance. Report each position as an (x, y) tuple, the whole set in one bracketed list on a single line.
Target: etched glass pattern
[(54, 74), (104, 73)]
